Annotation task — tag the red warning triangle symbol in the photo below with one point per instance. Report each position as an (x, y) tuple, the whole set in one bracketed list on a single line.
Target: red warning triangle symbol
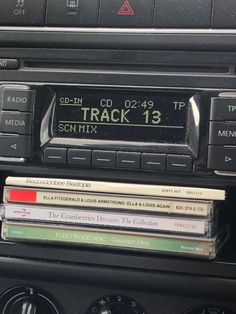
[(126, 9)]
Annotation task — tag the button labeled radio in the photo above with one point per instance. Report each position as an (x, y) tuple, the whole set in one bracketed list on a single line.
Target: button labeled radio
[(16, 122), (18, 99)]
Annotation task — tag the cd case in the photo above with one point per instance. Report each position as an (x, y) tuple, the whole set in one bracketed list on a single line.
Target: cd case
[(170, 206), (111, 219), (119, 188), (114, 239)]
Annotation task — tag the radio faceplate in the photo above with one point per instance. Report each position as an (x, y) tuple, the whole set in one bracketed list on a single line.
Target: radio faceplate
[(155, 130), (116, 128)]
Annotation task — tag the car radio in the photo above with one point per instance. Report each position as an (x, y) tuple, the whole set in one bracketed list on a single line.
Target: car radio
[(175, 130)]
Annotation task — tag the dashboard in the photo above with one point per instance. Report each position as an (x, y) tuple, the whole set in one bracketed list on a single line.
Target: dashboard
[(117, 156)]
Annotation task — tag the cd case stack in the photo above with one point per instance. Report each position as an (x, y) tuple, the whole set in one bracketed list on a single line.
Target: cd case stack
[(145, 218)]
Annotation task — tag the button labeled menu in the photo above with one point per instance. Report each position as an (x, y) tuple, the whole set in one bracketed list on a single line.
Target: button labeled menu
[(22, 12), (222, 158), (16, 122), (223, 109), (126, 13), (222, 133)]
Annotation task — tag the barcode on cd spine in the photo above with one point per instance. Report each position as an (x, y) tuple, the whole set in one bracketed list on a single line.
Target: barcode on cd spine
[(109, 201), (201, 227)]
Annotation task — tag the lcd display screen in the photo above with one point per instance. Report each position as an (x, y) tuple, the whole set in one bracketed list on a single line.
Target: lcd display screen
[(114, 115)]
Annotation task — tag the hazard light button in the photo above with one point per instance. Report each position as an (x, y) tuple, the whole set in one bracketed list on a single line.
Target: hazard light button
[(222, 158), (127, 13)]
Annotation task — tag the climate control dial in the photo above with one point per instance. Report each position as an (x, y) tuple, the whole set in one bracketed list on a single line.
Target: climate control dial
[(28, 300), (115, 304)]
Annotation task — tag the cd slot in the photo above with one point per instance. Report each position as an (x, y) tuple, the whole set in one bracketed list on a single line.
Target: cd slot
[(131, 67)]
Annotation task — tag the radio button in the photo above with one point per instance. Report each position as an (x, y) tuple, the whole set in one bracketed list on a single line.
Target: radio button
[(222, 158), (15, 146), (182, 163), (223, 109), (222, 133), (18, 99), (16, 122), (153, 161), (128, 160), (54, 155), (79, 157), (101, 158)]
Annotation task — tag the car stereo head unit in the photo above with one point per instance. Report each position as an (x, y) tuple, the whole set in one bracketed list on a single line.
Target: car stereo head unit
[(173, 130)]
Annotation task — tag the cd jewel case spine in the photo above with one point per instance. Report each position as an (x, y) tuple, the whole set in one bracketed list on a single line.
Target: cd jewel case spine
[(45, 233)]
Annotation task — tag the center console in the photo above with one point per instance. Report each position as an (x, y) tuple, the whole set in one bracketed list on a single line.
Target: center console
[(139, 92)]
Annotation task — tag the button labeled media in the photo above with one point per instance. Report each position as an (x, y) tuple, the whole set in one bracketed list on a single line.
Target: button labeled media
[(17, 99), (16, 122), (126, 13)]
